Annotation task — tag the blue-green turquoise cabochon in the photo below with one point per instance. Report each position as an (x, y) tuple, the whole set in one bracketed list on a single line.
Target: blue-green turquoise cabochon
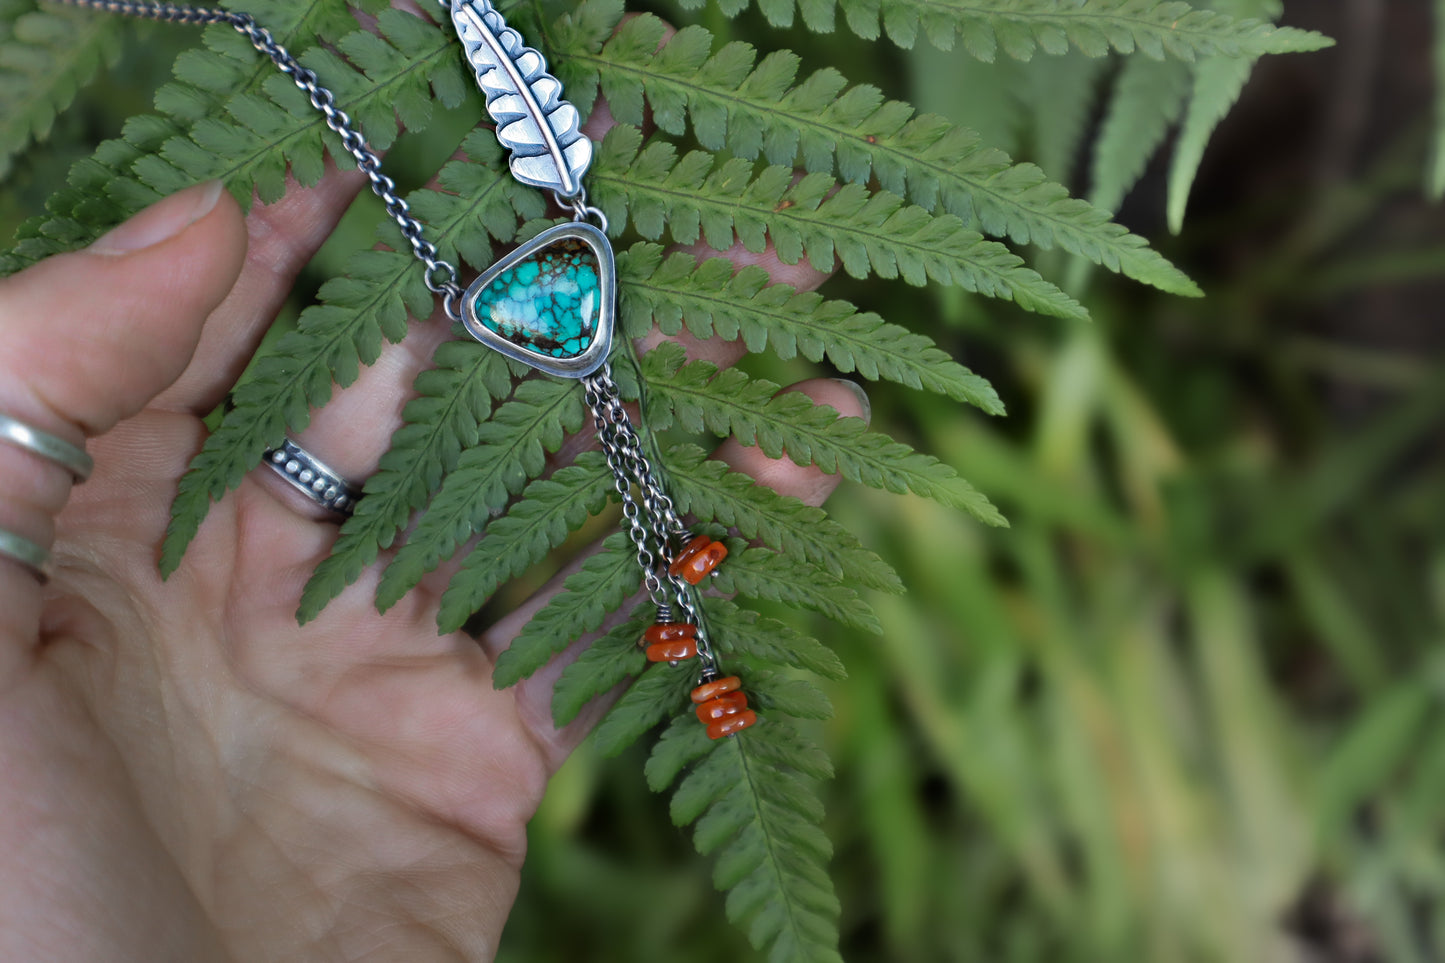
[(550, 303)]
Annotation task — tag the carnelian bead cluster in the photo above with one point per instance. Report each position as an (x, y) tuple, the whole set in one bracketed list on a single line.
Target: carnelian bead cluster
[(722, 707), (670, 641), (697, 559)]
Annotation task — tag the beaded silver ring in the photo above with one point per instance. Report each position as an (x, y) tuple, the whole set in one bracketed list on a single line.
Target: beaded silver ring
[(313, 478)]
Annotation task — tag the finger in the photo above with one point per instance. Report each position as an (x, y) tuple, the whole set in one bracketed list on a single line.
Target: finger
[(534, 694), (282, 238), (90, 337)]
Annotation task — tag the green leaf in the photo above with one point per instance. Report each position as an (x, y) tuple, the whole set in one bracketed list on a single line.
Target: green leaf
[(1218, 82), (511, 450), (869, 232), (454, 397), (756, 639), (658, 692), (762, 574), (1155, 28), (605, 664), (755, 805), (713, 492), (714, 299), (1148, 99), (603, 583), (760, 111), (698, 396), (549, 509), (46, 57)]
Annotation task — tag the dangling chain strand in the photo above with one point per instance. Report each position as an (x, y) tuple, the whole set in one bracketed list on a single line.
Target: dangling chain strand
[(441, 276)]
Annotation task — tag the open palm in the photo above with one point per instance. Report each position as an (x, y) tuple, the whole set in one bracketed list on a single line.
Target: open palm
[(187, 773)]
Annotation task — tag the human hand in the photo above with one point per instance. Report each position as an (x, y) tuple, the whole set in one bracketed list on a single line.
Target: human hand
[(189, 774)]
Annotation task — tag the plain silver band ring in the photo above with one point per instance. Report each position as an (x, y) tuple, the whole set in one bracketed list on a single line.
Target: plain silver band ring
[(26, 552), (313, 478), (47, 446)]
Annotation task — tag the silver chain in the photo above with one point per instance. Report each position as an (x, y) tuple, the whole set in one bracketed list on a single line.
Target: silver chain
[(441, 276), (629, 465)]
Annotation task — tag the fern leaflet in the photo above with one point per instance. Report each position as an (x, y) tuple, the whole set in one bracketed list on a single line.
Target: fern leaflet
[(870, 233), (760, 573), (713, 301), (512, 449), (454, 397), (712, 491), (698, 396), (1155, 28), (757, 110), (603, 583), (549, 509), (754, 801), (605, 664), (46, 56)]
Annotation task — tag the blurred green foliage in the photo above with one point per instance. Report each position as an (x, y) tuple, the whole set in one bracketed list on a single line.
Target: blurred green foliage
[(1186, 708)]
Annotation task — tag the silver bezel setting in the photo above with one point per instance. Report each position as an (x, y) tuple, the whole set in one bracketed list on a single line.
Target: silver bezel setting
[(589, 360)]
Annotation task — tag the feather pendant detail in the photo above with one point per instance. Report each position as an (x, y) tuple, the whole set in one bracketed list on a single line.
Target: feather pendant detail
[(533, 121)]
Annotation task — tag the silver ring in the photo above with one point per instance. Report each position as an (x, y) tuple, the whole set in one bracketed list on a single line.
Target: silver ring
[(47, 446), (27, 553), (313, 478)]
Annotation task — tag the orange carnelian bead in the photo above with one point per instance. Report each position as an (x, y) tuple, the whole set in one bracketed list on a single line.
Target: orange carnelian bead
[(731, 724), (694, 566), (672, 651), (711, 690), (728, 704), (669, 632), (695, 545)]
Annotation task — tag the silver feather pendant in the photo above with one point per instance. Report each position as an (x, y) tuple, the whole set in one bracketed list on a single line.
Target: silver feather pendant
[(533, 121)]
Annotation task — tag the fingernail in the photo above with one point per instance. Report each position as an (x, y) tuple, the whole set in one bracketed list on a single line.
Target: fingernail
[(161, 221), (861, 395)]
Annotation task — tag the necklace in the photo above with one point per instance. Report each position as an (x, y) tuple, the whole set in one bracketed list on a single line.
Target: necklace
[(550, 303)]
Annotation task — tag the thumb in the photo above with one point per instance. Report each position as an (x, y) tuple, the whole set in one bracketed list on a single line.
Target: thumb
[(88, 338)]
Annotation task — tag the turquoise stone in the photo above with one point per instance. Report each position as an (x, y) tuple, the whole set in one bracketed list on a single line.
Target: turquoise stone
[(548, 303)]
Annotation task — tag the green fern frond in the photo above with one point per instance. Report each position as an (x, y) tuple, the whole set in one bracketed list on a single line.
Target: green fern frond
[(755, 109), (549, 509), (107, 187), (713, 492), (657, 694), (271, 132), (754, 801), (1147, 100), (759, 573), (1218, 82), (756, 639), (356, 314), (454, 396), (870, 233), (698, 396), (512, 450), (714, 299), (603, 583), (1155, 28), (46, 57), (605, 664), (1062, 93)]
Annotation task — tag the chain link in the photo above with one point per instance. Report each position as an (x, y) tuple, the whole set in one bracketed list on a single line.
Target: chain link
[(441, 276)]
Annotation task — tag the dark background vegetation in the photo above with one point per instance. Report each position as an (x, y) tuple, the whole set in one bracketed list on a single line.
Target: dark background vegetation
[(1188, 707)]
